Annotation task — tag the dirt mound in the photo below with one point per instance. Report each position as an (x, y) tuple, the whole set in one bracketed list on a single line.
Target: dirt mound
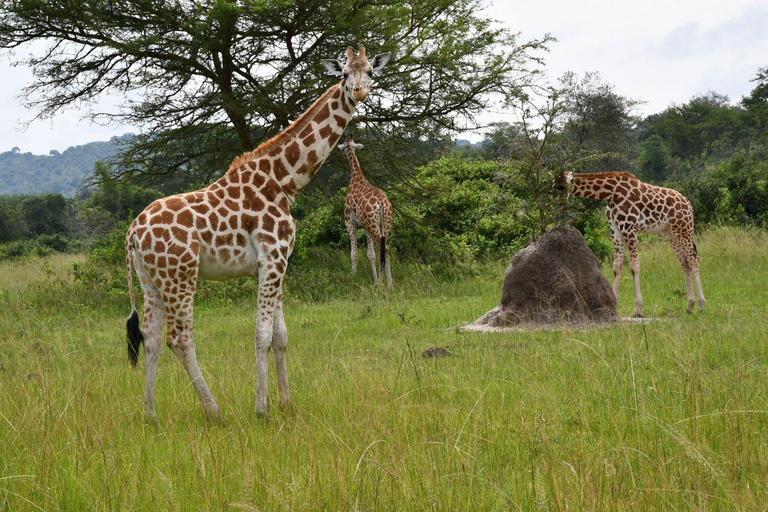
[(557, 279)]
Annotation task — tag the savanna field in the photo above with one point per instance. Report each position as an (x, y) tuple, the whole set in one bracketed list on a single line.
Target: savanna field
[(668, 414)]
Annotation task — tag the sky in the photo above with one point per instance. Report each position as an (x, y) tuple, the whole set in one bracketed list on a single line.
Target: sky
[(658, 51)]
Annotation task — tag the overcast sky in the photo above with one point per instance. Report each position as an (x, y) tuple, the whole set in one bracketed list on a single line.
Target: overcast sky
[(657, 51)]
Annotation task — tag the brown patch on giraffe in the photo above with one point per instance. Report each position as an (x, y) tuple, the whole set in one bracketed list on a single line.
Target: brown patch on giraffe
[(175, 204), (325, 132), (272, 209), (223, 239), (213, 219), (207, 236), (165, 217), (306, 131), (280, 266), (288, 188), (252, 165), (235, 176), (231, 205), (200, 208), (280, 170), (267, 222), (235, 192), (292, 153), (265, 238), (241, 240), (340, 121), (146, 244), (155, 207), (284, 230), (309, 140), (270, 190), (185, 218), (322, 114), (179, 234), (176, 249), (233, 221)]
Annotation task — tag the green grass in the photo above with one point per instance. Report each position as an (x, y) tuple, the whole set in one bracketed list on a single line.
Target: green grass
[(667, 415)]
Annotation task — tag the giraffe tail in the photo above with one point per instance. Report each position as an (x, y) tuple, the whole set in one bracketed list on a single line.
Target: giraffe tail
[(135, 337), (383, 241)]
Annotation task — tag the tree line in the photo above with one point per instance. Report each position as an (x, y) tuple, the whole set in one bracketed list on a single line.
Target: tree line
[(209, 79)]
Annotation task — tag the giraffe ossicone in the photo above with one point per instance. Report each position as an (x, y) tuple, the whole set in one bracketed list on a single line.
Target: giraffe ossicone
[(366, 206), (241, 225), (636, 207)]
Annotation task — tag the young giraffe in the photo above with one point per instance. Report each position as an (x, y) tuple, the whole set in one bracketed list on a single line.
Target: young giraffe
[(241, 225), (636, 207), (366, 206)]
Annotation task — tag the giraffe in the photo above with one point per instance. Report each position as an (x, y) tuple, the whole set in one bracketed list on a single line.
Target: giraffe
[(241, 225), (366, 206), (637, 207)]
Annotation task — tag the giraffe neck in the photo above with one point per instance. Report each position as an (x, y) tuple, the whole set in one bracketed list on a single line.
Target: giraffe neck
[(605, 186), (354, 164), (293, 157)]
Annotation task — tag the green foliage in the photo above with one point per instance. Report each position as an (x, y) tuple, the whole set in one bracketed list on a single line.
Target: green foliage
[(653, 161), (474, 204)]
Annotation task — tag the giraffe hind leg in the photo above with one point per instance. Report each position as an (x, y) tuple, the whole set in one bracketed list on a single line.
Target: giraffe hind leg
[(684, 264), (372, 256), (280, 342), (352, 231), (151, 334), (180, 340)]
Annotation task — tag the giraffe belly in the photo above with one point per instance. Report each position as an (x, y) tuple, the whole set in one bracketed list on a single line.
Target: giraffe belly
[(652, 224), (228, 262)]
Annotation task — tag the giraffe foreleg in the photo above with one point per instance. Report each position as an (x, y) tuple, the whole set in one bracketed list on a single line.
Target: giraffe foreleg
[(280, 342), (180, 339), (372, 255), (154, 319), (634, 267), (352, 231), (269, 285), (152, 330), (618, 260)]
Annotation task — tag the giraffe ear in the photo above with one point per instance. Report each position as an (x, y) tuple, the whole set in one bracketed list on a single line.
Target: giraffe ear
[(333, 67), (343, 146), (357, 146), (379, 61)]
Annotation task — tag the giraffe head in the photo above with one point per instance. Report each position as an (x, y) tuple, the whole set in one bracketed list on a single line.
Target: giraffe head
[(562, 182), (357, 72), (348, 141)]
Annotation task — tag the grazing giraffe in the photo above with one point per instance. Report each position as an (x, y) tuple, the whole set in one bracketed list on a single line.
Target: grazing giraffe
[(636, 207), (241, 225), (366, 206)]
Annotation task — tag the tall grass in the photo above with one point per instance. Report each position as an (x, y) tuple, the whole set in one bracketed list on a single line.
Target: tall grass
[(670, 414)]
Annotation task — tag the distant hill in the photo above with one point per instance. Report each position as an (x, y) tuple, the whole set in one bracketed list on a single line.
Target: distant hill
[(464, 143), (25, 173)]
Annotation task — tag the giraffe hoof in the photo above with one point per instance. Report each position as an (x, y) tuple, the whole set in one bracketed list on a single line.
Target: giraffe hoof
[(639, 315)]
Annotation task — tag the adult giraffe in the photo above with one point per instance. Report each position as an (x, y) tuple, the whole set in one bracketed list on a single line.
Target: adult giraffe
[(241, 225), (637, 207), (366, 206)]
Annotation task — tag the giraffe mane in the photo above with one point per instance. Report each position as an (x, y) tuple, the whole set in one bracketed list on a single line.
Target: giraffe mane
[(299, 124), (610, 174)]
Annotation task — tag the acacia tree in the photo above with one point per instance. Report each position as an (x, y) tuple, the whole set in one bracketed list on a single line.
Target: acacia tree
[(206, 79)]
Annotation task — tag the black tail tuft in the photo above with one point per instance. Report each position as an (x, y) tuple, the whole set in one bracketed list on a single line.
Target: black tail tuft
[(695, 249), (135, 338), (383, 253)]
